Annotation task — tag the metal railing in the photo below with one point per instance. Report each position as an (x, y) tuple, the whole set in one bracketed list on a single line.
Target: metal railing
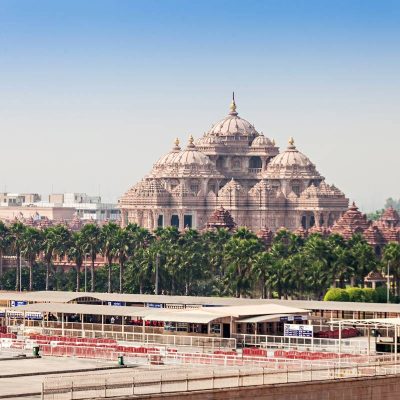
[(143, 383), (353, 345)]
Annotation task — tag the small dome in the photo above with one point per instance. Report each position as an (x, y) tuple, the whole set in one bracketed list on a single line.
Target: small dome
[(291, 157), (168, 159), (191, 156), (261, 141), (291, 162), (233, 125), (209, 141)]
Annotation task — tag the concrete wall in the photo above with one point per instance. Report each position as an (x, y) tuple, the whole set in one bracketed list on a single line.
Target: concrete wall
[(374, 388)]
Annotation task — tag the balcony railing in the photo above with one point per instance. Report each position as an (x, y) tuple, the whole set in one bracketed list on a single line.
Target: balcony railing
[(255, 170)]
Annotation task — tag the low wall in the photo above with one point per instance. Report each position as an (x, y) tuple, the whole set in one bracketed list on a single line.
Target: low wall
[(374, 388)]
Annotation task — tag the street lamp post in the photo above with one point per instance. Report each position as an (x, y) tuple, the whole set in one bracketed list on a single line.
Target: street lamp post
[(20, 271), (388, 283), (157, 265), (85, 273)]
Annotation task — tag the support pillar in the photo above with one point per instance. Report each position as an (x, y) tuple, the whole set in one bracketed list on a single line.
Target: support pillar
[(62, 324)]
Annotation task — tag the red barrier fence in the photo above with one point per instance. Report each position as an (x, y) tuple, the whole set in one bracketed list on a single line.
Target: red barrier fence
[(346, 333)]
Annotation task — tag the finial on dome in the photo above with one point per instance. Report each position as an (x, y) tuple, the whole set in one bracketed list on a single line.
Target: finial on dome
[(191, 140), (176, 144), (291, 141), (233, 104), (273, 142)]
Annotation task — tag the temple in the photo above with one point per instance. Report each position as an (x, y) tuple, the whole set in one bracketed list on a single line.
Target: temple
[(235, 167)]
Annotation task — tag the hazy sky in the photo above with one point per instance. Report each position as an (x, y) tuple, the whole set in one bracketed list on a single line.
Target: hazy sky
[(92, 93)]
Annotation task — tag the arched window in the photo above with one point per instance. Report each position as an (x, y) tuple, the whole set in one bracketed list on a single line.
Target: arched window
[(312, 221), (304, 222), (255, 162)]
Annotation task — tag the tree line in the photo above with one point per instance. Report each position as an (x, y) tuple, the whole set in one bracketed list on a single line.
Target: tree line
[(215, 262)]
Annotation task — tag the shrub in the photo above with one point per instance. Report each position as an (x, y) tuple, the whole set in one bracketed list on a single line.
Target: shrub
[(356, 294), (336, 294)]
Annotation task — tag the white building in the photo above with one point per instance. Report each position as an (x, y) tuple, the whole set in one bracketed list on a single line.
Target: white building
[(86, 207)]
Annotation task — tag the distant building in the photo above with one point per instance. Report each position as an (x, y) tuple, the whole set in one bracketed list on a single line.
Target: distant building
[(86, 207), (75, 208), (18, 199)]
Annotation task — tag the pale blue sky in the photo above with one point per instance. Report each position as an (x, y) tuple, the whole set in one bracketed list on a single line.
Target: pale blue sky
[(94, 92)]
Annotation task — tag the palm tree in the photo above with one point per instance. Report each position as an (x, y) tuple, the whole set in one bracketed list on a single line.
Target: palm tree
[(122, 252), (5, 240), (391, 255), (30, 247), (261, 269), (192, 259), (17, 230), (108, 245), (166, 246), (240, 252), (76, 253), (91, 234), (50, 243), (363, 258)]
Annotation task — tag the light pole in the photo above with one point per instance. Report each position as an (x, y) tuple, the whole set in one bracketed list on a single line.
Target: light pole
[(20, 271), (85, 273), (388, 284), (157, 264)]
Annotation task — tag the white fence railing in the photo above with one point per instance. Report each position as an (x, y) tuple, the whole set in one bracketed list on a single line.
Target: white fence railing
[(353, 345), (143, 383)]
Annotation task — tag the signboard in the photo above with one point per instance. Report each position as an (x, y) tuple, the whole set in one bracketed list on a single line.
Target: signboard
[(117, 303), (291, 318), (154, 305), (32, 315), (16, 303), (298, 330)]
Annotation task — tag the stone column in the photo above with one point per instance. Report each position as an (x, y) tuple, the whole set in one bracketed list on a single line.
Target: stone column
[(181, 220), (317, 216)]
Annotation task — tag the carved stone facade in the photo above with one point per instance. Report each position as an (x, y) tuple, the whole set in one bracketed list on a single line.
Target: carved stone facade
[(377, 234), (240, 169)]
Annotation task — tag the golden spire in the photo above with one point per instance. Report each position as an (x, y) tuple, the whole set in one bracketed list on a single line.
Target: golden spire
[(191, 140), (233, 104), (177, 142), (291, 141)]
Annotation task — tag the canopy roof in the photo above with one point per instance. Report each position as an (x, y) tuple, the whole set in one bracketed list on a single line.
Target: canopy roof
[(369, 322), (87, 309), (262, 318), (200, 315), (69, 297)]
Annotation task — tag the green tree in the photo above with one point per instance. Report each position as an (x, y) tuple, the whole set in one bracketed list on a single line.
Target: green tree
[(76, 253), (91, 235), (240, 252), (17, 231), (30, 247), (262, 268), (391, 257), (108, 247), (5, 241)]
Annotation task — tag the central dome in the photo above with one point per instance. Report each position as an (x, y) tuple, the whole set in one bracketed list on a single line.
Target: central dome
[(233, 125)]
